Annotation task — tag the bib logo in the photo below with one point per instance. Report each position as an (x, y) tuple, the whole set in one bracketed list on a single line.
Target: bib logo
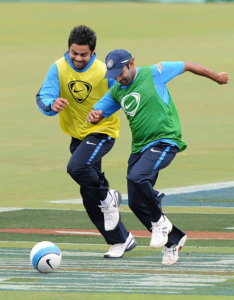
[(130, 103), (80, 90)]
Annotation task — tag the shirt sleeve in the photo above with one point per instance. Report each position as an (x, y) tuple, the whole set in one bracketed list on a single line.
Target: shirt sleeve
[(111, 82), (49, 92), (107, 104), (170, 70)]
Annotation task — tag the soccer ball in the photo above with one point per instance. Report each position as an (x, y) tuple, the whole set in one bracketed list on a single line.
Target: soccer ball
[(45, 257)]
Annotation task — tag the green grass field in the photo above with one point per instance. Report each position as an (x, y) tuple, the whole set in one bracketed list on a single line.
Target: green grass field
[(34, 152)]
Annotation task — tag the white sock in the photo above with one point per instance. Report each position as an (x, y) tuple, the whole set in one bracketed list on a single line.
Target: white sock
[(107, 200)]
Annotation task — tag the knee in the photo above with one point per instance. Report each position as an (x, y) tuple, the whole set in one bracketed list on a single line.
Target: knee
[(74, 169), (132, 178), (70, 170)]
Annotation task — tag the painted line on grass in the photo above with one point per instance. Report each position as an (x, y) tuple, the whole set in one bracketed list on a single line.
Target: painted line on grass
[(168, 192), (4, 209)]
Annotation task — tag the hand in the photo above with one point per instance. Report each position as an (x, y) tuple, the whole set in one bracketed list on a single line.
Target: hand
[(59, 104), (222, 78), (94, 116)]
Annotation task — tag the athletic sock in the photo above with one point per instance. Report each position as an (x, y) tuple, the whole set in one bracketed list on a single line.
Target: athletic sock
[(107, 200)]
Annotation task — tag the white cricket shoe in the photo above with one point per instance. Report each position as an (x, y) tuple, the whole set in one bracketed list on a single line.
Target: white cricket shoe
[(171, 255), (160, 231), (111, 211), (118, 250)]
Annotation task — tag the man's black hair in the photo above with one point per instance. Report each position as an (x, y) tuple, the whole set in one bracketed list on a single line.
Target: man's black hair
[(127, 65), (82, 35)]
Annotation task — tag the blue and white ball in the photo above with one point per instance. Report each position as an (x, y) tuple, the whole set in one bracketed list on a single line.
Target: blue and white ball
[(45, 257)]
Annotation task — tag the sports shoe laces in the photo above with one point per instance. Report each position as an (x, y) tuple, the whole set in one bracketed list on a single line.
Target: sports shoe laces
[(168, 251), (158, 228), (116, 247), (108, 208)]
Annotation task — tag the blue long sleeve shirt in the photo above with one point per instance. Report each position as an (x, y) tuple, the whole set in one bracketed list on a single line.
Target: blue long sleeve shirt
[(50, 89)]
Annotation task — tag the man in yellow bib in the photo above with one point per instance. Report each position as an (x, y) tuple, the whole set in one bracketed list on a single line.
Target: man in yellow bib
[(72, 86)]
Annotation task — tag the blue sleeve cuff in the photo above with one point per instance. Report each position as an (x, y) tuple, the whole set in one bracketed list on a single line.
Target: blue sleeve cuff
[(49, 91)]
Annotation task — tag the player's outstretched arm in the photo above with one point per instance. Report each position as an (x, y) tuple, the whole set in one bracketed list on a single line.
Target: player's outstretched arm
[(94, 116), (220, 78)]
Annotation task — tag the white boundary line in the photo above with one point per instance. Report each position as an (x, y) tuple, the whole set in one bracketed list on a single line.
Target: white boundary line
[(173, 191), (3, 209), (199, 188)]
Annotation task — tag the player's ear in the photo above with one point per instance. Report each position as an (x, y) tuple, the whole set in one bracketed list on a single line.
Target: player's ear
[(131, 63), (92, 53)]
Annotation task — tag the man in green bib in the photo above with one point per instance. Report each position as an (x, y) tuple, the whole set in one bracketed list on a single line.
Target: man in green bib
[(156, 136)]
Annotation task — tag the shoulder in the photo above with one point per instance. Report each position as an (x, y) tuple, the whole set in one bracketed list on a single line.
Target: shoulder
[(171, 65), (53, 71), (147, 68), (61, 62), (168, 70), (114, 90), (62, 59), (100, 64)]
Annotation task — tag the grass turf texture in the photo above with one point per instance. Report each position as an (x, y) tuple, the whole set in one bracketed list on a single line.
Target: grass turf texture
[(34, 152), (66, 219), (48, 219), (103, 247), (100, 296), (100, 240)]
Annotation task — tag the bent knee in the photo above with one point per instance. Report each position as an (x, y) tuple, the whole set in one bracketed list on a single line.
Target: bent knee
[(134, 179), (76, 169), (70, 169)]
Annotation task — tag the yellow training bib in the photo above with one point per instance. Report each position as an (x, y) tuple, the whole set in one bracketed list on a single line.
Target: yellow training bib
[(82, 91)]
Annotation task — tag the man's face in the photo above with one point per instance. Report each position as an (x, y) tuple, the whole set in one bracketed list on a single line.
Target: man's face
[(127, 75), (80, 55)]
